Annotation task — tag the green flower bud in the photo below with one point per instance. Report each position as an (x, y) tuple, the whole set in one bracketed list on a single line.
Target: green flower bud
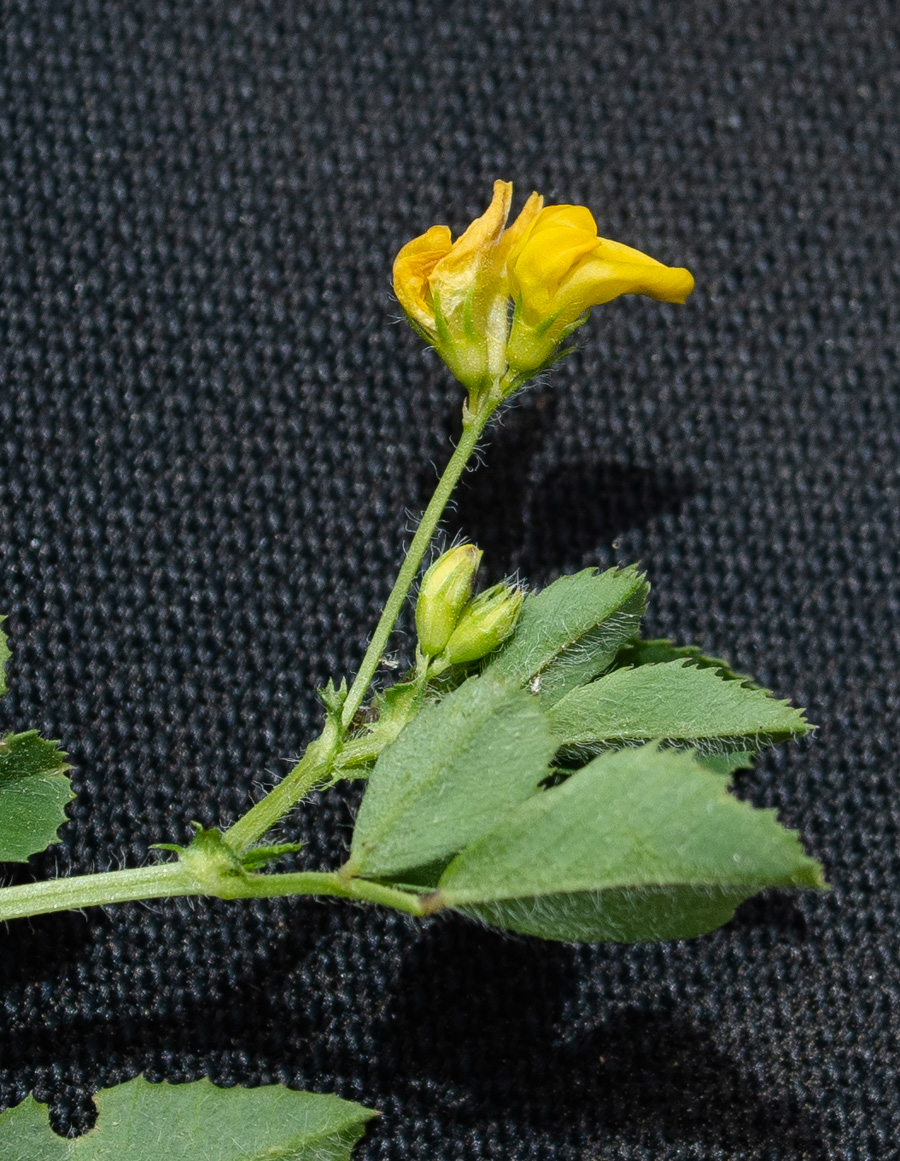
[(485, 624), (446, 587)]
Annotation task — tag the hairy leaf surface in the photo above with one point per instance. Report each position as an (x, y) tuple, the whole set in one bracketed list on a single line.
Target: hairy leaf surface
[(676, 702), (33, 795), (451, 774), (138, 1121), (572, 630), (641, 844)]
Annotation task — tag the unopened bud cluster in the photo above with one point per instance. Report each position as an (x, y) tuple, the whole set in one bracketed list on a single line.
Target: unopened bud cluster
[(450, 623)]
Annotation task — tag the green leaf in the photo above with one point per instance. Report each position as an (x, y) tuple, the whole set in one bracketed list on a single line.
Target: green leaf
[(4, 658), (138, 1121), (33, 795), (456, 768), (726, 764), (571, 631), (676, 702), (641, 844), (652, 651)]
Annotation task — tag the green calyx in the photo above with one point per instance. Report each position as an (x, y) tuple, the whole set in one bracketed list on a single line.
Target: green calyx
[(485, 624), (531, 349)]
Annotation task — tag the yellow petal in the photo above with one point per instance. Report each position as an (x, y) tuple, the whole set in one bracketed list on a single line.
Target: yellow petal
[(597, 280), (549, 255), (619, 252), (575, 217), (517, 233), (558, 238), (457, 273), (412, 268), (561, 268)]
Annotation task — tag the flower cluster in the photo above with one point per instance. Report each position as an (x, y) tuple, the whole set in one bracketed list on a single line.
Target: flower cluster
[(550, 263)]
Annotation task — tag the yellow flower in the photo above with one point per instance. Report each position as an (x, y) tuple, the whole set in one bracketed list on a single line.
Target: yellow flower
[(456, 294), (552, 264), (560, 268), (453, 292)]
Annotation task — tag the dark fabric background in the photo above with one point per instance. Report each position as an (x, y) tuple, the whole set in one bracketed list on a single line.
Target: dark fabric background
[(212, 428)]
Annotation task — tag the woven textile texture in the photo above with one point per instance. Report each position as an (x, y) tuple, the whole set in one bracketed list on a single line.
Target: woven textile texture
[(213, 430)]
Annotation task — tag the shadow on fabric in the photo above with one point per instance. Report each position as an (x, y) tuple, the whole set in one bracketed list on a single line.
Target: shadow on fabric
[(474, 1029), (532, 517), (489, 1035)]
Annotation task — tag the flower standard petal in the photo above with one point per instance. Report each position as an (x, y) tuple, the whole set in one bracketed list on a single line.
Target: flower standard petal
[(516, 233), (462, 270), (572, 217), (548, 255)]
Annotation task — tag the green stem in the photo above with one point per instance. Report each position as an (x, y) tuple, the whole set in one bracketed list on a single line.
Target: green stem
[(95, 890), (315, 766), (170, 879), (321, 883), (473, 426)]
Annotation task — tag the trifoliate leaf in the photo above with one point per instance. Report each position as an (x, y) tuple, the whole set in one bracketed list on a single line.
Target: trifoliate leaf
[(675, 702), (4, 658), (571, 631), (138, 1121), (33, 795), (655, 650), (641, 844), (452, 773)]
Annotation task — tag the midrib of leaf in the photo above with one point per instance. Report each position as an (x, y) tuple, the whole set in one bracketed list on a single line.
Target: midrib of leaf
[(692, 835), (584, 887)]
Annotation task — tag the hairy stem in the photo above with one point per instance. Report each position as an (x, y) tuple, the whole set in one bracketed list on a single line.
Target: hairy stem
[(472, 430), (94, 890), (313, 768), (170, 879), (316, 765)]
